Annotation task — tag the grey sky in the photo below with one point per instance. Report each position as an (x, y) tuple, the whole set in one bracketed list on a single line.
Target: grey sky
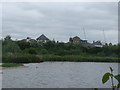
[(60, 20)]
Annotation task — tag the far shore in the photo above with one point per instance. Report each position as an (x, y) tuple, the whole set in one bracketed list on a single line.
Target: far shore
[(14, 67), (18, 65)]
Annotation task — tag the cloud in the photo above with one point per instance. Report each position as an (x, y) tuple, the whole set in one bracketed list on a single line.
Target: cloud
[(60, 20)]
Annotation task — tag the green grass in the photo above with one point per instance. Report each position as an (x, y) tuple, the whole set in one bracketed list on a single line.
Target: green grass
[(78, 58), (20, 58), (30, 58), (10, 65)]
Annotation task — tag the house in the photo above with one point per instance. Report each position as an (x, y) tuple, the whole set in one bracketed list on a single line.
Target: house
[(110, 44), (42, 38), (97, 44), (74, 40), (77, 40), (28, 39)]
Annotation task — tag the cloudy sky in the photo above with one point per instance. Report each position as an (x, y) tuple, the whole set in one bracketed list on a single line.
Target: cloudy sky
[(60, 20)]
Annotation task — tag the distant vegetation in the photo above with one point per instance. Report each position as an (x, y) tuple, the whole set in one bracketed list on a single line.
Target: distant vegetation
[(27, 52), (11, 65)]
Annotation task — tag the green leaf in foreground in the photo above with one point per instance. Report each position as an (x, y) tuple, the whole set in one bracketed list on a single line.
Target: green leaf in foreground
[(118, 85), (117, 77), (106, 77)]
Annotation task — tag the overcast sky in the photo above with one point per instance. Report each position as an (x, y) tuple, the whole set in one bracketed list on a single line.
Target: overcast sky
[(60, 20)]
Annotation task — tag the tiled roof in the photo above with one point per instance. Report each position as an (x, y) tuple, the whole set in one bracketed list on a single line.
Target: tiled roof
[(42, 37), (76, 37)]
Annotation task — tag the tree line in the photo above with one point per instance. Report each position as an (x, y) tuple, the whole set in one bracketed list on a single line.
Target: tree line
[(56, 48)]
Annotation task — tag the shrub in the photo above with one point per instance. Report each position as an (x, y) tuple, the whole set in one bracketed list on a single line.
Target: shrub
[(11, 47), (30, 51), (43, 51), (23, 45), (20, 58)]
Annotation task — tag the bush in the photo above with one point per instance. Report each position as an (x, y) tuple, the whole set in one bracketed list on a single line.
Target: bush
[(21, 58), (43, 51), (11, 47), (30, 51), (23, 45)]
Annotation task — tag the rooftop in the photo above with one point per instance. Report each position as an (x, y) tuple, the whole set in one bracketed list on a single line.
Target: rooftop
[(42, 37)]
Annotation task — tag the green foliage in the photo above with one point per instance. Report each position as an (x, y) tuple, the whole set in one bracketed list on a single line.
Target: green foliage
[(118, 85), (11, 65), (21, 58), (117, 77), (34, 44), (78, 58), (107, 76), (23, 45), (59, 51), (49, 45), (43, 51), (10, 47), (95, 88), (30, 51)]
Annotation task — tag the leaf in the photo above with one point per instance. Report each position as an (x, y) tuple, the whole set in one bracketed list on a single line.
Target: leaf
[(117, 77), (114, 86), (118, 86), (105, 77)]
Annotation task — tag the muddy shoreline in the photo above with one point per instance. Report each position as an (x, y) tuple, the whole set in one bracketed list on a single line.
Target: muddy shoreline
[(14, 67)]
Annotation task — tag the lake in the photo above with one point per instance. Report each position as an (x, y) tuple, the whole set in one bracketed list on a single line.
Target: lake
[(58, 75)]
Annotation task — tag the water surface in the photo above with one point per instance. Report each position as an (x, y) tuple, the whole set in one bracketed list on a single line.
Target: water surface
[(58, 75)]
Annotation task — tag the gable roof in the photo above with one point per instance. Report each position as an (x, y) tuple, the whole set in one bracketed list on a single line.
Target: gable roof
[(42, 37), (76, 37)]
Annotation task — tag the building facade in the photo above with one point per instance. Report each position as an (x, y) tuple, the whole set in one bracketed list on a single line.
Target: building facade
[(77, 40), (42, 38)]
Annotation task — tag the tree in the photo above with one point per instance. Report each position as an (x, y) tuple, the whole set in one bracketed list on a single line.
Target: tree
[(23, 45), (8, 37), (11, 47), (49, 45), (30, 51)]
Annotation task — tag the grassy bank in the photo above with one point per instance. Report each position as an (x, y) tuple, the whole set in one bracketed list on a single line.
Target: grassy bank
[(30, 58), (78, 58), (35, 52), (21, 58), (10, 65)]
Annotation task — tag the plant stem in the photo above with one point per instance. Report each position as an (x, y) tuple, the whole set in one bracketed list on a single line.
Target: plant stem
[(112, 80)]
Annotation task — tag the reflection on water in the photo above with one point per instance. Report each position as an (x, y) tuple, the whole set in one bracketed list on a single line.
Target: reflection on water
[(58, 75)]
